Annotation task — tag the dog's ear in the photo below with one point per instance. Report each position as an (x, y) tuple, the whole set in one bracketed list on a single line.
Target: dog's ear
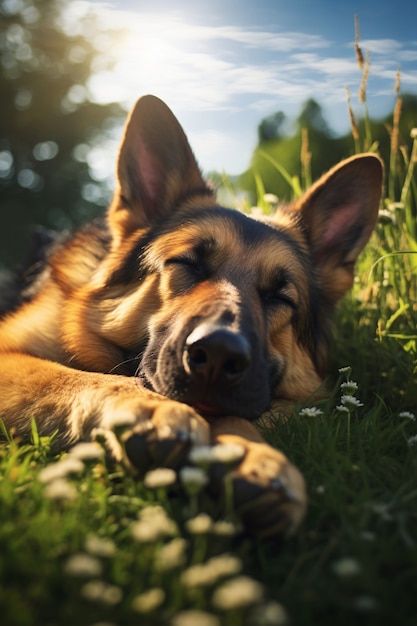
[(340, 211), (156, 168)]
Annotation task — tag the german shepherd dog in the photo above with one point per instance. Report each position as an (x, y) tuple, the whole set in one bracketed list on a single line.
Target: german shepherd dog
[(186, 319)]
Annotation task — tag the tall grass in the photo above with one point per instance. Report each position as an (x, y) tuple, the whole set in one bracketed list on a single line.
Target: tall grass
[(82, 542)]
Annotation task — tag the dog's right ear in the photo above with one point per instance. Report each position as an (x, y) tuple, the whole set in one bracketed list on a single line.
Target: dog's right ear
[(156, 168)]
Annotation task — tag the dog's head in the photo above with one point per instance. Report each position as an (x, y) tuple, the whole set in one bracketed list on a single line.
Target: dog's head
[(209, 306)]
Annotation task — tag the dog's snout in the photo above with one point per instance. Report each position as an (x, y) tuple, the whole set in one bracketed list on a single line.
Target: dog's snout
[(215, 355)]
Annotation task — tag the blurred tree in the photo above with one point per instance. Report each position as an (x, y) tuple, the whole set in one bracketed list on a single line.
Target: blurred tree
[(48, 125), (271, 127)]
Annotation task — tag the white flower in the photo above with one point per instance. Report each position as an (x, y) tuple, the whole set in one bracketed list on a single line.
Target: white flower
[(413, 133), (98, 546), (60, 469), (270, 614), (160, 477), (60, 489), (206, 574), (83, 565), (228, 452), (345, 370), (412, 441), (350, 401), (407, 415), (195, 618), (193, 478), (225, 528), (271, 198), (149, 600), (342, 409), (311, 412), (237, 593), (349, 387), (346, 567), (199, 525), (87, 451), (365, 604), (100, 591), (171, 555), (202, 455), (153, 524), (386, 217)]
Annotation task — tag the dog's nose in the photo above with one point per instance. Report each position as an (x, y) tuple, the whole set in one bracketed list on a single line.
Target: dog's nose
[(215, 355)]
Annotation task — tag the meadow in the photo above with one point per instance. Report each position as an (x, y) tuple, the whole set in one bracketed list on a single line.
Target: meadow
[(83, 542)]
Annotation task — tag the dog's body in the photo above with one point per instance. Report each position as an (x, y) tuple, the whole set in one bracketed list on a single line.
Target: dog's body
[(187, 318)]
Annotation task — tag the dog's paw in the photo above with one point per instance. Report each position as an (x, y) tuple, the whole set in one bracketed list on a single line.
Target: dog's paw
[(147, 431), (269, 493)]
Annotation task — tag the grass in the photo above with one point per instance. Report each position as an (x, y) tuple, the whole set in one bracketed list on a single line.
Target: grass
[(89, 545)]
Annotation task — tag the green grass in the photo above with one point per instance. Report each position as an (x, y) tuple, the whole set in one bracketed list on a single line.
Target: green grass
[(353, 561)]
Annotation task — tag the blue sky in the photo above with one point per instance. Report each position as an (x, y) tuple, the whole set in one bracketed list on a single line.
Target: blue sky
[(223, 65)]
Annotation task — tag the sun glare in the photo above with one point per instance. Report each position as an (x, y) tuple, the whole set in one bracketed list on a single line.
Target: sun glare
[(148, 56)]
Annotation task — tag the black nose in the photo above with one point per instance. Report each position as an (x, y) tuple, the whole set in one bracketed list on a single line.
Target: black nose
[(217, 356)]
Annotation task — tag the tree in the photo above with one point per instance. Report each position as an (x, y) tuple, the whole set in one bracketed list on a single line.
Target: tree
[(271, 127), (48, 124)]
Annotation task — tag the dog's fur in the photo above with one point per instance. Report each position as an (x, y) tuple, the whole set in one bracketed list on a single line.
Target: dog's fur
[(184, 317)]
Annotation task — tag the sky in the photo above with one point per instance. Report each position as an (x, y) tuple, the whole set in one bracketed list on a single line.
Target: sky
[(224, 65)]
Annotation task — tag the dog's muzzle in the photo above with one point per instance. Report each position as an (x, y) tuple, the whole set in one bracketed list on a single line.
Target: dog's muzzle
[(215, 357)]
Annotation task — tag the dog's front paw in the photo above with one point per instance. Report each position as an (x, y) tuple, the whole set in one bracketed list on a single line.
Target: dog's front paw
[(147, 431), (269, 493)]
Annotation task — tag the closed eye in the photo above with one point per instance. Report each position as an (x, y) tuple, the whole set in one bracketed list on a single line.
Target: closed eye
[(281, 292), (190, 264)]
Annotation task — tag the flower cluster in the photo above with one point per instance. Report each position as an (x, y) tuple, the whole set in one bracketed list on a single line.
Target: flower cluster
[(348, 389)]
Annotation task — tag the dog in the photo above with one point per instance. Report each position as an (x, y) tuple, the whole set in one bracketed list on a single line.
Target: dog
[(186, 319)]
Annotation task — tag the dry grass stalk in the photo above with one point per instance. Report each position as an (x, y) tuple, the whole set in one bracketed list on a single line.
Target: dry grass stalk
[(365, 76), (353, 124), (305, 156), (395, 135), (359, 55), (397, 81)]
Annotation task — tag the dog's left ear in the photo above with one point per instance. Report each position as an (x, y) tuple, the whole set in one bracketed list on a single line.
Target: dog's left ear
[(156, 168), (340, 211)]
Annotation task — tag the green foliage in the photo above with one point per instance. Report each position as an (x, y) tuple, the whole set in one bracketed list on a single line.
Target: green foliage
[(47, 123)]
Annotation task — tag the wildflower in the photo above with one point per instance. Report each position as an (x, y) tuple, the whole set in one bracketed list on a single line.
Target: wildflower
[(228, 452), (195, 618), (350, 402), (207, 574), (193, 478), (365, 604), (202, 455), (407, 415), (200, 524), (171, 555), (386, 217), (87, 451), (237, 593), (312, 411), (60, 489), (83, 566), (342, 409), (413, 133), (149, 600), (153, 524), (345, 370), (346, 567), (395, 205), (160, 477), (225, 528), (60, 469), (412, 441), (270, 614), (349, 387), (100, 591), (271, 198), (99, 546)]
